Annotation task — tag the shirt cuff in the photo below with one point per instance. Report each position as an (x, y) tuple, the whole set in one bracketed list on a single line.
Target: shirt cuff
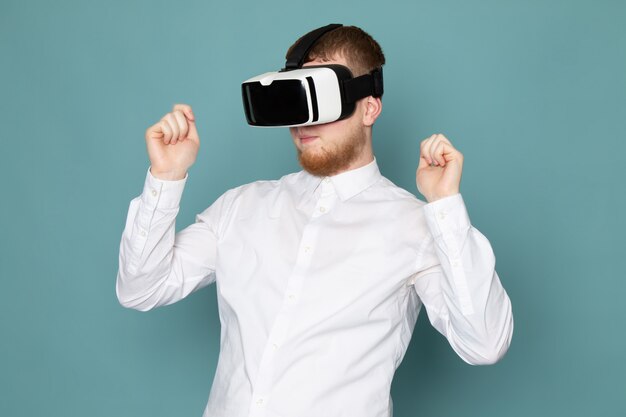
[(161, 193), (447, 215)]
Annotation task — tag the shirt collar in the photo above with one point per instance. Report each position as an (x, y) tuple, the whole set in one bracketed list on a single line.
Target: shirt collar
[(349, 183)]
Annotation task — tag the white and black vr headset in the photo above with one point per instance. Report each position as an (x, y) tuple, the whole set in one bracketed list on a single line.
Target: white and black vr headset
[(297, 96)]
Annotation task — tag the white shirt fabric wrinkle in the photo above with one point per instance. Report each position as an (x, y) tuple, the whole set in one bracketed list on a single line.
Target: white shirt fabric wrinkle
[(319, 284)]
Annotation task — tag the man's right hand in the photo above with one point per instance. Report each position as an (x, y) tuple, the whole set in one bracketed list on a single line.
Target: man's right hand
[(173, 144)]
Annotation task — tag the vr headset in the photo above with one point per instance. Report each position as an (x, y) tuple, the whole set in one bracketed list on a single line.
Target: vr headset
[(297, 96)]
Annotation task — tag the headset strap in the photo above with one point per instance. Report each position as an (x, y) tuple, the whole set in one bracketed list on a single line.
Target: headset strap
[(301, 50), (356, 88), (365, 85)]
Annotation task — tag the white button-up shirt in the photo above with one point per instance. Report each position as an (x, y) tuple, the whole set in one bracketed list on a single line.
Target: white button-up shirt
[(319, 285)]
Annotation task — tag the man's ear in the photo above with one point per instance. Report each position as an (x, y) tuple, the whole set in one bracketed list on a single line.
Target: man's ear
[(373, 107)]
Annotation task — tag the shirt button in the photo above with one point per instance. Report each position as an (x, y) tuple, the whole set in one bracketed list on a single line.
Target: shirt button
[(259, 401), (143, 233), (456, 262), (292, 296), (274, 346), (322, 209), (307, 249), (154, 193), (442, 215), (327, 180)]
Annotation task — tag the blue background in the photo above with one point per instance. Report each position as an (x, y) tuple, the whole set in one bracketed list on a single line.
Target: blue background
[(533, 93)]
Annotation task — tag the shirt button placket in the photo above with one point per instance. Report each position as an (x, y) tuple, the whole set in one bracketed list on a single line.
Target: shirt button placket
[(258, 408), (276, 337), (291, 299)]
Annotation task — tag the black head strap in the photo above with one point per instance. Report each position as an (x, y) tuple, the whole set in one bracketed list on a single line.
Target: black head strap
[(354, 89), (301, 50), (363, 86)]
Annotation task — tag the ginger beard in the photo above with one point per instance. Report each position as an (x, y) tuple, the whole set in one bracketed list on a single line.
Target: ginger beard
[(332, 157)]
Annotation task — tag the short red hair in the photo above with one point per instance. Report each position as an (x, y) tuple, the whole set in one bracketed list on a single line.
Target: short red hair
[(362, 53)]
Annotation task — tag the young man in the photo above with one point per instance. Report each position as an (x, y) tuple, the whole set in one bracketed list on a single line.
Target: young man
[(321, 274)]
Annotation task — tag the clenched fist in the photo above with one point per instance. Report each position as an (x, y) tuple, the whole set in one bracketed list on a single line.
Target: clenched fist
[(173, 144), (439, 171)]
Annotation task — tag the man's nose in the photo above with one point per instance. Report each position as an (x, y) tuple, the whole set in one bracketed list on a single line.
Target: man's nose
[(304, 131)]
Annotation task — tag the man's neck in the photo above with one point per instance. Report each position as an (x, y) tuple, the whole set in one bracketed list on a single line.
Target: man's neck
[(363, 160)]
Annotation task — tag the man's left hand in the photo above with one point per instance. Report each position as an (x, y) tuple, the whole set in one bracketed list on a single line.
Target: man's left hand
[(439, 172)]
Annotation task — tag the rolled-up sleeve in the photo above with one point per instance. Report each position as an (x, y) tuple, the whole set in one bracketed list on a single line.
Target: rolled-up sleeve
[(158, 266), (457, 283)]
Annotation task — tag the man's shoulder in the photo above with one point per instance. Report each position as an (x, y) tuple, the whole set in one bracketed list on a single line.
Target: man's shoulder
[(400, 208), (263, 187), (263, 190), (253, 195), (392, 192)]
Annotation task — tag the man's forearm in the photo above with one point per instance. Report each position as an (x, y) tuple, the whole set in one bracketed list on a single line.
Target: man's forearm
[(473, 310), (147, 244)]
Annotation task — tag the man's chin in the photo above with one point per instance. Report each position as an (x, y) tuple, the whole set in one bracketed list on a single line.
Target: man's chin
[(318, 163), (324, 161)]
